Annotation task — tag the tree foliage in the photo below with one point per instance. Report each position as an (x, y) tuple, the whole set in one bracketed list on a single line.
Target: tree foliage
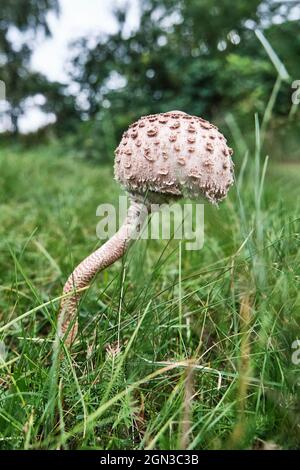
[(200, 56), (21, 22)]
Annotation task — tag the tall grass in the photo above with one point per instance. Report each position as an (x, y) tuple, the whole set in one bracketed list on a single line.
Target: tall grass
[(176, 348)]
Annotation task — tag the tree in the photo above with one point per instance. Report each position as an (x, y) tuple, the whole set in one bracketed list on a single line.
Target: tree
[(199, 56), (24, 19)]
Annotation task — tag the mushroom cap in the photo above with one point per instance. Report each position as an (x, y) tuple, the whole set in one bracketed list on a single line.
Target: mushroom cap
[(175, 155)]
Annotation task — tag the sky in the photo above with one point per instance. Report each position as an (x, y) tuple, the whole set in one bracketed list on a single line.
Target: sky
[(77, 18)]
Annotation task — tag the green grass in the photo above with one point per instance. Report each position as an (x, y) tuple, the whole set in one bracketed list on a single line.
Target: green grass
[(205, 335)]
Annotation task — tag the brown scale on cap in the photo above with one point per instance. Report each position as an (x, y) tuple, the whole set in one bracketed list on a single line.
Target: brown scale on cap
[(209, 147), (175, 125), (172, 137), (181, 161), (205, 125), (202, 168)]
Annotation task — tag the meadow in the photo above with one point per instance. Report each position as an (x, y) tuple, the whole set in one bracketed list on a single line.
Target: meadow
[(206, 337)]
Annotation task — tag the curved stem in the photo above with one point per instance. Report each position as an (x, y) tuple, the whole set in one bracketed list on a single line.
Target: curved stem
[(106, 255)]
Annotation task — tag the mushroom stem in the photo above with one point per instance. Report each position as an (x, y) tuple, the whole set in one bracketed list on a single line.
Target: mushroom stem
[(103, 257)]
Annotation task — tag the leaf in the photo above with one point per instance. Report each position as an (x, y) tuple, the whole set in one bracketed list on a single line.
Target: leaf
[(279, 66)]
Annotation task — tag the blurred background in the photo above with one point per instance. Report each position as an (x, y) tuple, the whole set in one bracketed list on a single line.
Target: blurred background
[(80, 72)]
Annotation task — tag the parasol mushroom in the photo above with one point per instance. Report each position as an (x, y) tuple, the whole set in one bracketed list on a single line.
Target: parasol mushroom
[(161, 157)]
